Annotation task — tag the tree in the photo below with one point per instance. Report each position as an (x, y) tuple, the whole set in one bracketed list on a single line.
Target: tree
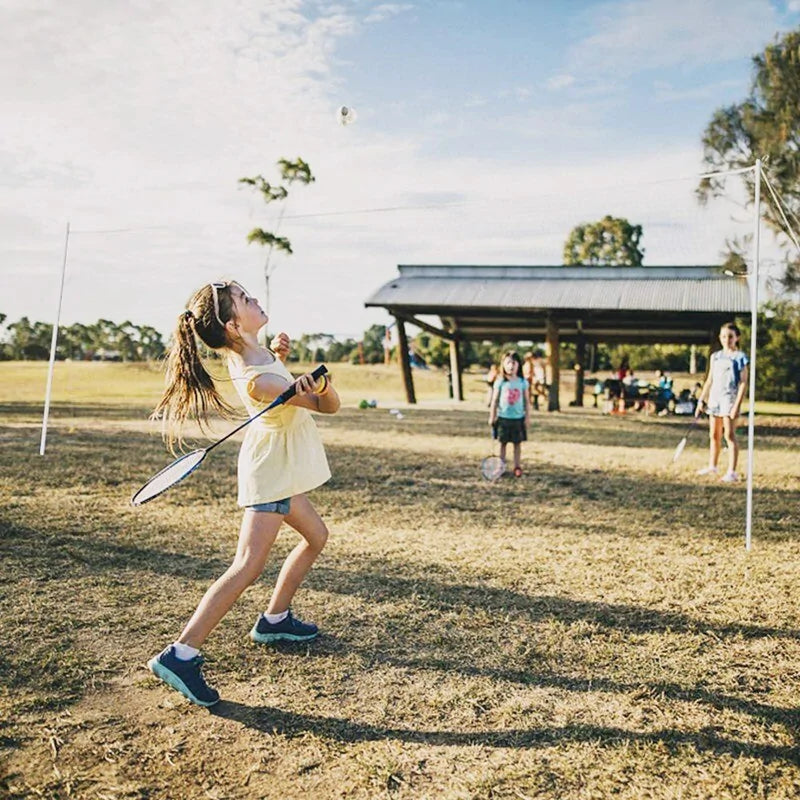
[(765, 124), (291, 172), (340, 351), (612, 241), (778, 363), (373, 344), (29, 340)]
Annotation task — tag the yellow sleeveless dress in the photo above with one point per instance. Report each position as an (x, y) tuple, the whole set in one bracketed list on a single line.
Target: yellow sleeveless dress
[(282, 453)]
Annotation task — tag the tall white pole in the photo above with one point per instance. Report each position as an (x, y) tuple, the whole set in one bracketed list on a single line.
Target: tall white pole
[(53, 342), (752, 371)]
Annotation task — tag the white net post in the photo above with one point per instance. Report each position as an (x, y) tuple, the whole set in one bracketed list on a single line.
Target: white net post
[(53, 343), (752, 371)]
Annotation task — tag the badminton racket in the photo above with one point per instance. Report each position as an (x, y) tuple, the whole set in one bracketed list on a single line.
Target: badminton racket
[(682, 443), (186, 464), (492, 468)]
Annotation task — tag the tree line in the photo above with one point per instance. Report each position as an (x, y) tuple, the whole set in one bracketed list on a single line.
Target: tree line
[(777, 374), (24, 340)]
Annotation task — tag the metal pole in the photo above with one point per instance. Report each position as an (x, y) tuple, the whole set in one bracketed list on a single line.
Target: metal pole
[(53, 342), (752, 371)]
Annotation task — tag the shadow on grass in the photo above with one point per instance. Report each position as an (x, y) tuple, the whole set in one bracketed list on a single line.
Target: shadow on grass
[(47, 557), (272, 720), (64, 411), (788, 717), (619, 502), (423, 483), (587, 426), (44, 557), (375, 585)]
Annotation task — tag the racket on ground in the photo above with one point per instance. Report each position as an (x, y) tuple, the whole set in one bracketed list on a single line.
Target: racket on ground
[(492, 468), (682, 443), (186, 464)]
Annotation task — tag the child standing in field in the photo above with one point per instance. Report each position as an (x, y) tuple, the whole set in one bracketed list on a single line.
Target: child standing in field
[(510, 408), (281, 459), (722, 395)]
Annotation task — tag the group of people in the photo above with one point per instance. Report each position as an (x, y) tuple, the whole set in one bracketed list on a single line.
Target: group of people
[(624, 390), (282, 457)]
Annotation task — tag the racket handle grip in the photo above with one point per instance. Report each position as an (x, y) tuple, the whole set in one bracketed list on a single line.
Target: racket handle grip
[(292, 390)]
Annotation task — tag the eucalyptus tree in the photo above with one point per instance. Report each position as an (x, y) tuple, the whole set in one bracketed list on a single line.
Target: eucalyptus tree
[(297, 171), (766, 125)]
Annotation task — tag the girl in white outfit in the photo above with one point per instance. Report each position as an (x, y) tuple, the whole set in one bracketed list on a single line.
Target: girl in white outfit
[(722, 396)]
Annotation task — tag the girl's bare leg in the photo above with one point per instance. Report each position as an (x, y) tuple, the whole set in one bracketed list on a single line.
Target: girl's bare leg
[(308, 523), (733, 443), (503, 446), (256, 537), (715, 440), (517, 455)]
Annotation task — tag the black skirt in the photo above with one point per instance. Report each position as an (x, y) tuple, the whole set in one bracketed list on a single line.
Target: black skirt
[(511, 430)]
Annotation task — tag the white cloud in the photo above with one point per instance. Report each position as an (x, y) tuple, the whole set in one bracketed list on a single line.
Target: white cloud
[(385, 11), (520, 93), (475, 101), (793, 6), (665, 92), (635, 35), (142, 121), (561, 81)]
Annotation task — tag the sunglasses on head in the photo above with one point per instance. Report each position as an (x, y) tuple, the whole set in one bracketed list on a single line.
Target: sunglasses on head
[(216, 286)]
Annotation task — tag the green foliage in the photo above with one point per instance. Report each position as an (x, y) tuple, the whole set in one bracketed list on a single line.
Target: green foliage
[(778, 353), (434, 349), (268, 192), (765, 124), (26, 341), (611, 241), (734, 257), (297, 171), (672, 358), (373, 344), (265, 238)]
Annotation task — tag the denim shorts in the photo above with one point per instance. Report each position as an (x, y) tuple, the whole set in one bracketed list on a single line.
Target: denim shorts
[(276, 507)]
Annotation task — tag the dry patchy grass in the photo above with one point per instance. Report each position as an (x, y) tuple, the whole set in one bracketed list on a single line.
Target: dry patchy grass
[(594, 629)]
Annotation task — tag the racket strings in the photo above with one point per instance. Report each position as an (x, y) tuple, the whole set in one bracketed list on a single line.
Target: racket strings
[(169, 476)]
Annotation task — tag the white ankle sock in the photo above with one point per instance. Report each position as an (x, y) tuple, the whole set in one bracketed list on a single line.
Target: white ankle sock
[(274, 619), (185, 652)]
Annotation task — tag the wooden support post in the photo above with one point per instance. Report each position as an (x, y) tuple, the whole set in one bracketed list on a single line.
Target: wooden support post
[(580, 358), (551, 346), (455, 370), (405, 362), (693, 359)]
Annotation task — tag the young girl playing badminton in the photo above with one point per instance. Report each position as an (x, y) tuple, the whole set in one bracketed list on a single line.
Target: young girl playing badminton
[(510, 408), (722, 395), (280, 460)]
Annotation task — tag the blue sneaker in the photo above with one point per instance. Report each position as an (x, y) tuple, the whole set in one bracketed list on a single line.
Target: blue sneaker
[(185, 676), (288, 629)]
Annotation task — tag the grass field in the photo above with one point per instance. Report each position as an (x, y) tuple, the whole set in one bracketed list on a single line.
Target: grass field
[(592, 630)]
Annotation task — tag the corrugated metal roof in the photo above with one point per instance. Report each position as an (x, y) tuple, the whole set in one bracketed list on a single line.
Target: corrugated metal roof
[(664, 289)]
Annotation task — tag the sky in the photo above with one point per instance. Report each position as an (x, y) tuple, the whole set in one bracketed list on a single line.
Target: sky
[(485, 131)]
